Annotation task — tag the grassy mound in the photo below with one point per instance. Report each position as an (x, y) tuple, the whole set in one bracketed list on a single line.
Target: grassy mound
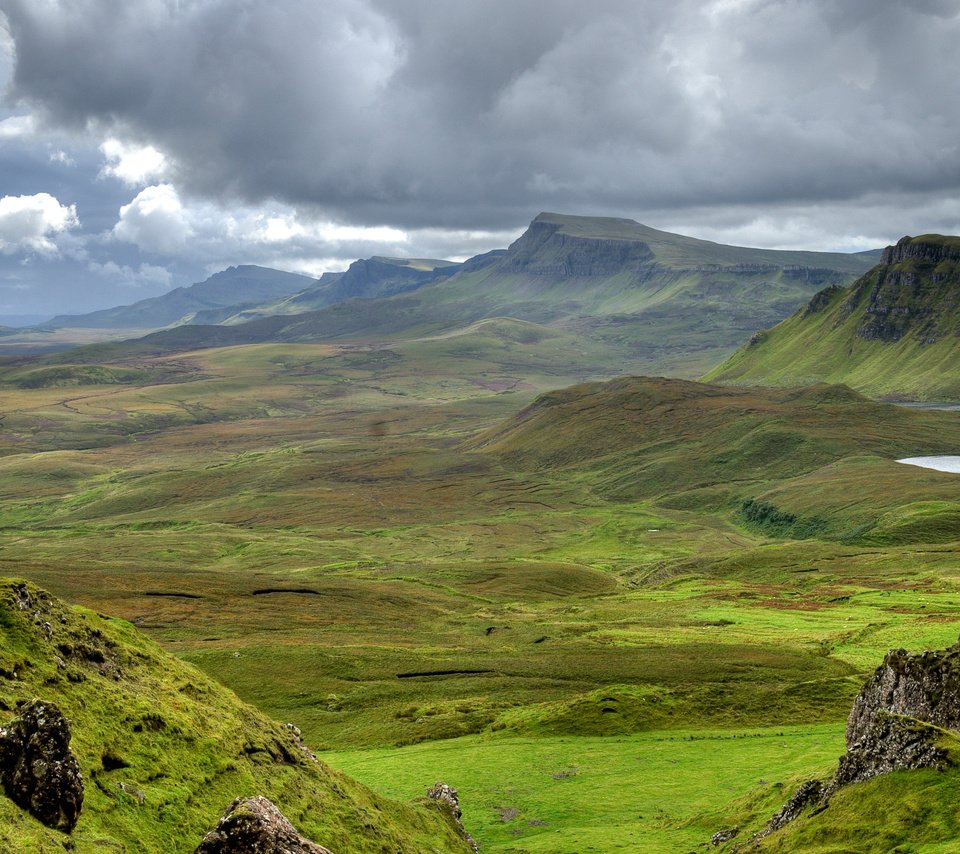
[(163, 748)]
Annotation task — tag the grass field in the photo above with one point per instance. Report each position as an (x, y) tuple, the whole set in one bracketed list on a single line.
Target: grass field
[(433, 576)]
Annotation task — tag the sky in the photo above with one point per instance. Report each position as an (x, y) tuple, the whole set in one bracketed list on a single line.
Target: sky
[(145, 144)]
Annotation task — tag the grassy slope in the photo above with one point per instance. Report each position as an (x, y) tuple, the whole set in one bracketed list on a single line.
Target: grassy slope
[(821, 344), (142, 718), (338, 479)]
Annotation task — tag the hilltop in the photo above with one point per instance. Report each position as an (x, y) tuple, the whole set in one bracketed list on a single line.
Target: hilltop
[(163, 749), (781, 461), (367, 278), (893, 333)]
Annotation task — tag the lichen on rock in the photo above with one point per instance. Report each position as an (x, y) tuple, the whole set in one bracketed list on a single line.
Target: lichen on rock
[(38, 772), (255, 826)]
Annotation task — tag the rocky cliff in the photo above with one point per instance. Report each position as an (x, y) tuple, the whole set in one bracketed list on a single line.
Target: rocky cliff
[(906, 717), (894, 332)]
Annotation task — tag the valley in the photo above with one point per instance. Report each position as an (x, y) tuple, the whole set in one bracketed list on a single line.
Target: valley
[(438, 566)]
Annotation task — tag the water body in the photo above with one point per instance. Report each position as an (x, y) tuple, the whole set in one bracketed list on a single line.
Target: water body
[(941, 463), (946, 406)]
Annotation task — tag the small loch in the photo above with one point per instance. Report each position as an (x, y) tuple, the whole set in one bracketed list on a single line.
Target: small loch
[(939, 463)]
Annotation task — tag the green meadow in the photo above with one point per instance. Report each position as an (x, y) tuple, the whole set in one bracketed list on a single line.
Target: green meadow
[(617, 617)]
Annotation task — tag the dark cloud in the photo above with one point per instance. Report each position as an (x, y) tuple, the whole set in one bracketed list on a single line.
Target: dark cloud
[(775, 122), (417, 113)]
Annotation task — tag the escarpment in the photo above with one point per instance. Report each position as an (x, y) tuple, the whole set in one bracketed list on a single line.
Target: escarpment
[(916, 284)]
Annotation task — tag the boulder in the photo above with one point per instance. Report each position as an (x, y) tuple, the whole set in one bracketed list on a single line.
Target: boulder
[(255, 826), (37, 770)]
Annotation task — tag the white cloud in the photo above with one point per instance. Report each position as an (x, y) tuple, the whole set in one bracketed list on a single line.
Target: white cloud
[(155, 221), (28, 223), (135, 165), (159, 221), (145, 275), (60, 156), (15, 127)]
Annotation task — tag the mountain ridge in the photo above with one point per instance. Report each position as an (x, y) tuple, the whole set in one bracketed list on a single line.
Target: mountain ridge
[(655, 300), (891, 333), (254, 283)]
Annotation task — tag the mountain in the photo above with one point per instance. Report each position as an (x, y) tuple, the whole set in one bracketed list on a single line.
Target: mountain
[(236, 285), (655, 300), (163, 749), (893, 333), (368, 279)]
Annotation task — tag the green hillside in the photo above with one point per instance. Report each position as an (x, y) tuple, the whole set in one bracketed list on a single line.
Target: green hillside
[(614, 609), (891, 334), (163, 749)]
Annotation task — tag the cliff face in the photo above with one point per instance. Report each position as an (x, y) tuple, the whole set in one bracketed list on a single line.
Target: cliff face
[(545, 250), (911, 299), (915, 289)]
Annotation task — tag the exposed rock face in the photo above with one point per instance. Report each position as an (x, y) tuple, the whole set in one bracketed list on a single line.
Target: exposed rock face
[(932, 248), (810, 792), (890, 743), (924, 686), (449, 799), (544, 250), (255, 826), (916, 285), (37, 770), (898, 717)]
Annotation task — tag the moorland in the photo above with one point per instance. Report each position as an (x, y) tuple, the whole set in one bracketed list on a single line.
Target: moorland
[(618, 616)]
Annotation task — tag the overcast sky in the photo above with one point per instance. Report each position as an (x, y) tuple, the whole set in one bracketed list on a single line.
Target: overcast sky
[(147, 143)]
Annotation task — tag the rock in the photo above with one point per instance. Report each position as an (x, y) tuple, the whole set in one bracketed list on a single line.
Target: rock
[(891, 743), (895, 723), (446, 795), (809, 793), (722, 836), (255, 826), (449, 800), (924, 686), (37, 770)]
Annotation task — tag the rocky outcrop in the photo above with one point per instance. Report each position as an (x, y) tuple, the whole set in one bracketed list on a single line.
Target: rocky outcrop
[(449, 800), (898, 721), (932, 248), (924, 686), (37, 770), (915, 289), (255, 826), (890, 743), (545, 250)]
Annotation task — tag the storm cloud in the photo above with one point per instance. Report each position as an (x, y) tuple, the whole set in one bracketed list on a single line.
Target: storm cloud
[(475, 113), (773, 122)]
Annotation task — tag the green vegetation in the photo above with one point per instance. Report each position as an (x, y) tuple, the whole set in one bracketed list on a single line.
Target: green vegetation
[(891, 334), (439, 569), (163, 749)]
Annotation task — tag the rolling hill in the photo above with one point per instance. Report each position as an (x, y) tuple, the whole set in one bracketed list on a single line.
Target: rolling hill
[(893, 333)]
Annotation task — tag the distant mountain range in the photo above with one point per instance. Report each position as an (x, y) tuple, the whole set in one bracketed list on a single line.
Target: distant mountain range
[(660, 301), (234, 286), (892, 333)]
